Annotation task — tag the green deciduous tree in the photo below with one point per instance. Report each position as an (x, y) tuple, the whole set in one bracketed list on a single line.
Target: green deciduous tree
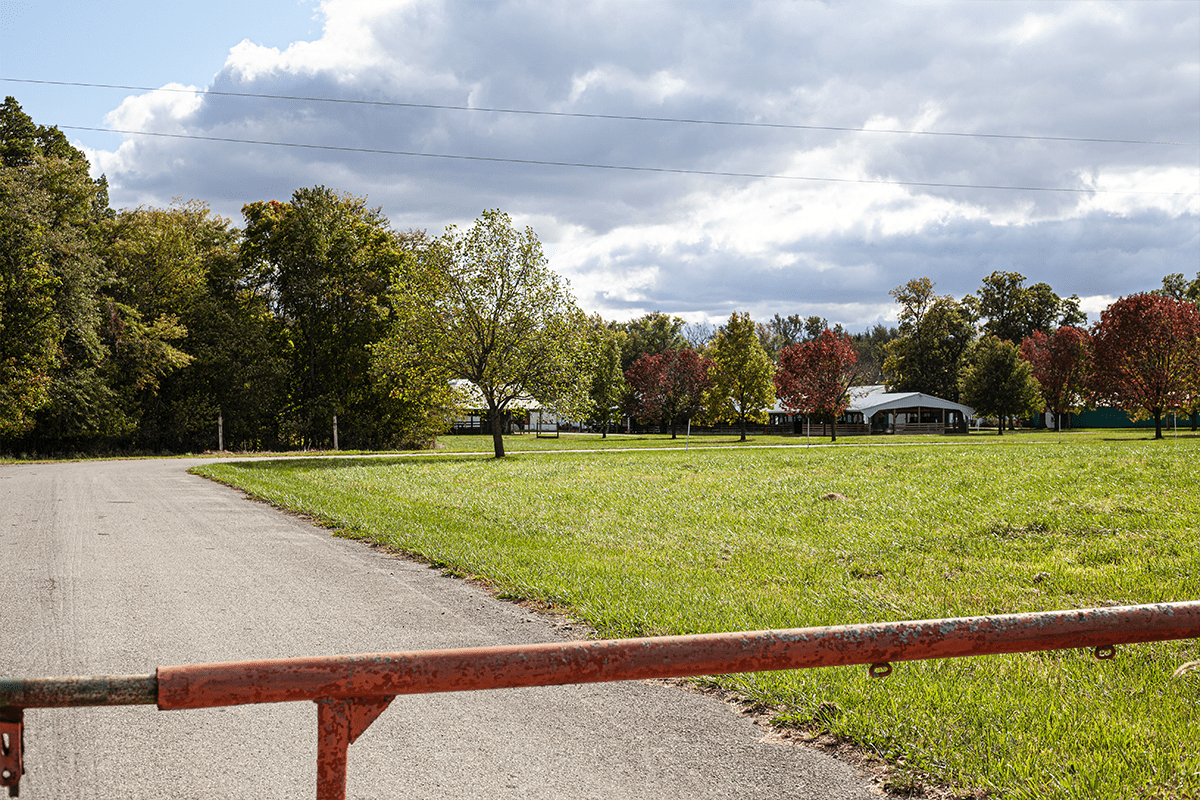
[(482, 305), (650, 334), (90, 346), (327, 263), (607, 386), (997, 382), (934, 333), (29, 330), (741, 373), (780, 332), (424, 401), (180, 266), (872, 352), (1177, 286), (1013, 311)]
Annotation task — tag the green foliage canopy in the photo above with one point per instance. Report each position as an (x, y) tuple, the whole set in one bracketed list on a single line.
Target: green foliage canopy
[(650, 334), (1014, 311), (997, 382), (326, 264), (483, 306), (934, 333), (741, 372), (181, 266), (607, 386)]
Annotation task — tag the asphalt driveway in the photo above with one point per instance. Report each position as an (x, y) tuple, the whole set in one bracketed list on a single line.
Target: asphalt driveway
[(117, 567)]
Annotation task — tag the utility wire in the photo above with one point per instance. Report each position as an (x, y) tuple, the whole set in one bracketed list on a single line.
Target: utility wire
[(617, 167), (627, 117)]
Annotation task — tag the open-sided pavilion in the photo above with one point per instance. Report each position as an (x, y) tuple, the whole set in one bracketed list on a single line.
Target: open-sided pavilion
[(873, 409)]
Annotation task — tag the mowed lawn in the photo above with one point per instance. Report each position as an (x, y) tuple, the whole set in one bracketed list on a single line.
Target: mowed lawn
[(669, 542)]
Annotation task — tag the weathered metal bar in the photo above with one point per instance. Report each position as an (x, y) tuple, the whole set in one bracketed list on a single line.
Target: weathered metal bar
[(351, 691), (389, 674), (105, 690)]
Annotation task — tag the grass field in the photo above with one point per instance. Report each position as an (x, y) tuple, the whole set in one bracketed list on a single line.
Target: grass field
[(673, 541)]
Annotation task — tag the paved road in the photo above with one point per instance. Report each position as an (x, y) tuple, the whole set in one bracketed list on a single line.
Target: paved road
[(119, 567)]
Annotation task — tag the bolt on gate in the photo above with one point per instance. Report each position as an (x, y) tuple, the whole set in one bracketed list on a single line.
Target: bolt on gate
[(352, 691)]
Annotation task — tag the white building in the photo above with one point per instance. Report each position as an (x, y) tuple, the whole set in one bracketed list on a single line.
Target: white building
[(873, 409)]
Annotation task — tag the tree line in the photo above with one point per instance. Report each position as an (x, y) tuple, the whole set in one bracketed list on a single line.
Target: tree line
[(151, 329), (1009, 350)]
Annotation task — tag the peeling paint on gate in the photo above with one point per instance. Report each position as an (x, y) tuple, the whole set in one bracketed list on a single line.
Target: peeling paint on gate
[(351, 691)]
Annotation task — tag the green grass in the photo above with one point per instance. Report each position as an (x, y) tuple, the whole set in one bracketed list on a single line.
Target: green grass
[(528, 442), (651, 543)]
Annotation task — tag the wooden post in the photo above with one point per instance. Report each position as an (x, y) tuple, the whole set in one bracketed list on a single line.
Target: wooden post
[(335, 445), (220, 432)]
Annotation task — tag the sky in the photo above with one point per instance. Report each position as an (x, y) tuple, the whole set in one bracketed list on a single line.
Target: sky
[(696, 158)]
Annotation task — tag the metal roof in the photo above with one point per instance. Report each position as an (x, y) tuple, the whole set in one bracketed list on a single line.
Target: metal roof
[(870, 400)]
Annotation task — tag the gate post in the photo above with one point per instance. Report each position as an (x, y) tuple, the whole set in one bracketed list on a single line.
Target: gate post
[(333, 740), (339, 724)]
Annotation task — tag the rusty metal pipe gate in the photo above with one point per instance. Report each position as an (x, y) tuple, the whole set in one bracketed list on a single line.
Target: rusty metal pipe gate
[(351, 691)]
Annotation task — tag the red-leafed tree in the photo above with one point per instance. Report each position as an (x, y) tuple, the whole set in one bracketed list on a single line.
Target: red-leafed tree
[(1147, 355), (668, 387), (1062, 366), (814, 377)]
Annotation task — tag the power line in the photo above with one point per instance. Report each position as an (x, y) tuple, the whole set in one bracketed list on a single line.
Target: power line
[(618, 167), (625, 117)]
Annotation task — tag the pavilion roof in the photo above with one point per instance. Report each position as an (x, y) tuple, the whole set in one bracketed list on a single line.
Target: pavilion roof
[(870, 400)]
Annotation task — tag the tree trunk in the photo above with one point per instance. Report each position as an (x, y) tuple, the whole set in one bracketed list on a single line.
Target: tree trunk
[(497, 432), (743, 427), (1158, 425), (1195, 419)]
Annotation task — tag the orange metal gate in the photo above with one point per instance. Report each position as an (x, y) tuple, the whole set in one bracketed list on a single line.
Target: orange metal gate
[(351, 691)]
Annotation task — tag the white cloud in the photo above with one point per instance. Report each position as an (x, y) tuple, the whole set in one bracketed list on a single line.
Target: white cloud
[(697, 245), (160, 111), (653, 89), (1037, 26), (1094, 304), (1128, 190)]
